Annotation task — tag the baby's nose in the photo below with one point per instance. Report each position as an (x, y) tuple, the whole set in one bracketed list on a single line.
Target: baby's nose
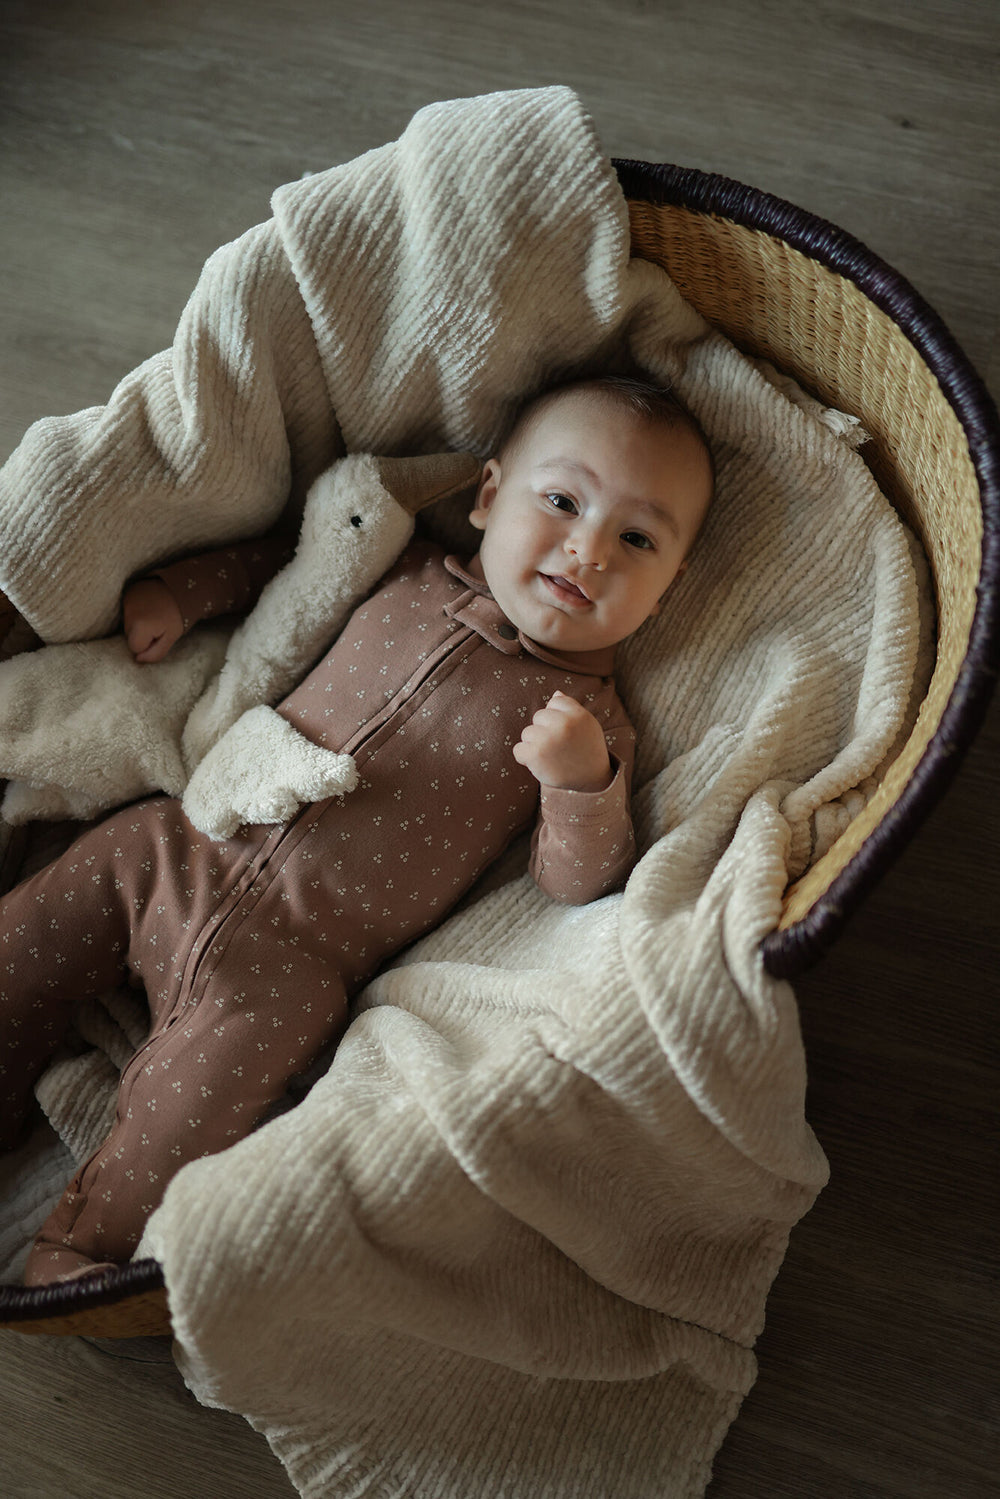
[(590, 548)]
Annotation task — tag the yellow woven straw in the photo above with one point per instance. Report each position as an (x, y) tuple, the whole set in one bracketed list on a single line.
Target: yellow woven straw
[(774, 301)]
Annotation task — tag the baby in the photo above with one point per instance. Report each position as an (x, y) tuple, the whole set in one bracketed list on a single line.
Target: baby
[(476, 699)]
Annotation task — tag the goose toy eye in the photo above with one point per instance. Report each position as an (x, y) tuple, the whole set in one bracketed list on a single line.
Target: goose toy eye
[(355, 520)]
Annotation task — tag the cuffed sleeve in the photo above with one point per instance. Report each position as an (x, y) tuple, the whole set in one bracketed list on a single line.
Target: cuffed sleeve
[(584, 846), (227, 581)]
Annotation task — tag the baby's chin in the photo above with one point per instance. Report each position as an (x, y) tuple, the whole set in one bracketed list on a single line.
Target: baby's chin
[(561, 632)]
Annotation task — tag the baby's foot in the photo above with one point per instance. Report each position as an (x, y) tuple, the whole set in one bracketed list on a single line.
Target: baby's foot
[(81, 1272), (48, 1266)]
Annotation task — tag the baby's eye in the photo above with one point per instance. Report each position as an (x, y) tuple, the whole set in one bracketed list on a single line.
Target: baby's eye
[(636, 539), (561, 502)]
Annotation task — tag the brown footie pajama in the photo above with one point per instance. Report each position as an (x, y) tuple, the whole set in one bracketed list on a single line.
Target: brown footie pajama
[(248, 949), (139, 897)]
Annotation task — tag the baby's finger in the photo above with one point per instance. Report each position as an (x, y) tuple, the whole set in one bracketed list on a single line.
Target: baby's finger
[(568, 707), (542, 728), (154, 651), (139, 636), (145, 641)]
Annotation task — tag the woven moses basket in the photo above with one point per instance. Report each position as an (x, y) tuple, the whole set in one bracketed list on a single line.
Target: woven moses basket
[(801, 293)]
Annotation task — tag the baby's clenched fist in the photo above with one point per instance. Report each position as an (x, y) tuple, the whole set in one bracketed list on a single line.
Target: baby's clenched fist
[(151, 620), (563, 747)]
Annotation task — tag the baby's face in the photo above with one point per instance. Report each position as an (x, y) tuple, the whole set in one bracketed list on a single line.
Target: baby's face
[(588, 521)]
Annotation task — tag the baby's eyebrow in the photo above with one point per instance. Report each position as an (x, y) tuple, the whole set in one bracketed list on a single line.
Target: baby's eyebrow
[(550, 463), (669, 520)]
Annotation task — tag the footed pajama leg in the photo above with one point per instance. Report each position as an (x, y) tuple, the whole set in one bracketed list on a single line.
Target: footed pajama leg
[(129, 901), (73, 930), (238, 1033)]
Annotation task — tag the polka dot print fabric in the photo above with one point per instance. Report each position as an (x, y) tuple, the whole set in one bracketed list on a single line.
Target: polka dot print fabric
[(248, 949)]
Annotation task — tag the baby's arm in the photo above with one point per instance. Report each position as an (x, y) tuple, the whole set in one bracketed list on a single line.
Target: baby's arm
[(159, 609), (583, 845)]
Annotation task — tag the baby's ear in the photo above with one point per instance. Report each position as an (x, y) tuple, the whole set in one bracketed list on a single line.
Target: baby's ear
[(485, 494)]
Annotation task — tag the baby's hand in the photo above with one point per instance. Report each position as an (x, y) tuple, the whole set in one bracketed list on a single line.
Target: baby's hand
[(563, 747), (151, 619)]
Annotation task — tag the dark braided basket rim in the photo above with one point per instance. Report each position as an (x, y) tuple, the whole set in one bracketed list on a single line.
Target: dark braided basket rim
[(106, 1288), (791, 951)]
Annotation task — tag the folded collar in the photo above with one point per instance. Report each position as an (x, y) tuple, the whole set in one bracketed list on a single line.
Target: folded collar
[(479, 610)]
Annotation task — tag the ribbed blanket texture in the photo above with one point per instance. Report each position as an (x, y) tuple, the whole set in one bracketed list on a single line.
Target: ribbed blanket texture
[(517, 1239)]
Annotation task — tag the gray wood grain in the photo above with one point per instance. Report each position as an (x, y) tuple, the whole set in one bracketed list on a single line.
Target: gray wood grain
[(135, 140), (114, 1420)]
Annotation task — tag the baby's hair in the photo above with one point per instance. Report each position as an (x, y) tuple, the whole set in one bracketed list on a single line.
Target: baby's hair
[(640, 397)]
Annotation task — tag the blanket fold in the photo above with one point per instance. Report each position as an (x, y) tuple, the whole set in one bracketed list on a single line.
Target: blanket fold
[(518, 1236)]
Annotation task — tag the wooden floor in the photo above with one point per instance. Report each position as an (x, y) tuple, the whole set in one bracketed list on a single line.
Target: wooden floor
[(136, 137)]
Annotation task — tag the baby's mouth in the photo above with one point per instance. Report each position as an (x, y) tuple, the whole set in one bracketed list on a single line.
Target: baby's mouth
[(566, 591)]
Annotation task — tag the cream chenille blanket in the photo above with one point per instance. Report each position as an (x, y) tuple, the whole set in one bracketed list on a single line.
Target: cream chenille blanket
[(517, 1239)]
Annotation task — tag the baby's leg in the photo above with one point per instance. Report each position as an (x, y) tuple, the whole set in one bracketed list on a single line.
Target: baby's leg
[(123, 903), (64, 935), (199, 1085)]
